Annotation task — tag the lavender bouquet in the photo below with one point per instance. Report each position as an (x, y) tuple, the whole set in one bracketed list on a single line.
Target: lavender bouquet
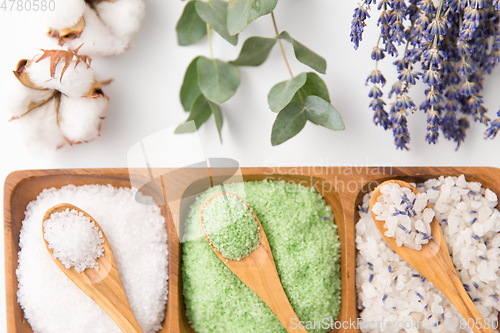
[(449, 45)]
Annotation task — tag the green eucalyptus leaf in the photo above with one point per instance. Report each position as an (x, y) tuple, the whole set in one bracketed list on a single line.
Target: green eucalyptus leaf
[(190, 27), (218, 80), (314, 86), (289, 122), (305, 55), (282, 93), (214, 13), (255, 51), (323, 113), (217, 116), (200, 112), (242, 12), (190, 88)]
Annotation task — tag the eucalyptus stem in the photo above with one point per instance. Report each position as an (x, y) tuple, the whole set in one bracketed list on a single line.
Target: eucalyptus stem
[(281, 45), (209, 35)]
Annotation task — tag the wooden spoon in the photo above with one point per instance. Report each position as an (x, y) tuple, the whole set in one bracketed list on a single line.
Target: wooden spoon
[(259, 273), (103, 286), (433, 261)]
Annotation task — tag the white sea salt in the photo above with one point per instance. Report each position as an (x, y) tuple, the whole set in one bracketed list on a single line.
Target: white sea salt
[(413, 300), (405, 214), (137, 237), (74, 239)]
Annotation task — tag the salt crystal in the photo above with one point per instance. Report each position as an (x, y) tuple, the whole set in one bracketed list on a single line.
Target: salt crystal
[(428, 215), (74, 239), (484, 213), (491, 196), (475, 248), (137, 236)]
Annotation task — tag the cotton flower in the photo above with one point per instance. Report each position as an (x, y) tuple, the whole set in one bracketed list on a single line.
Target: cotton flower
[(59, 100), (104, 27)]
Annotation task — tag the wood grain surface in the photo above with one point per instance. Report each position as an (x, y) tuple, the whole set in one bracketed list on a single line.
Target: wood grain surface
[(434, 262), (103, 285), (21, 187), (342, 188), (258, 271)]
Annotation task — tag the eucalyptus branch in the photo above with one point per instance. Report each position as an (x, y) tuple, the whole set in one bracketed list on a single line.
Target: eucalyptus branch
[(209, 36), (281, 44), (210, 82)]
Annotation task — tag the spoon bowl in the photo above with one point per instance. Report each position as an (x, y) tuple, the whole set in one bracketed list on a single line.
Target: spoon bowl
[(258, 272), (103, 286), (433, 261)]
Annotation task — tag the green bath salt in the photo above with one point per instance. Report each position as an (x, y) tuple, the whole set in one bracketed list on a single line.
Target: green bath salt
[(300, 228), (231, 227)]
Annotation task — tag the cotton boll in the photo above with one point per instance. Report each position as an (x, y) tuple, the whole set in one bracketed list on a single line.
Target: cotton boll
[(21, 99), (123, 17), (99, 38), (76, 81), (80, 118), (39, 128), (65, 14)]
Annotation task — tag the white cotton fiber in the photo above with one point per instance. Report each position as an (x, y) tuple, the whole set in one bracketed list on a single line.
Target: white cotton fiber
[(38, 128), (80, 118), (137, 237), (75, 82), (21, 98), (65, 14), (74, 239), (109, 33), (123, 17), (474, 244)]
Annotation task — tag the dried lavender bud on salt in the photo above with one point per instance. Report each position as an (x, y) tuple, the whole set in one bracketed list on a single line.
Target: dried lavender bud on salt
[(406, 215)]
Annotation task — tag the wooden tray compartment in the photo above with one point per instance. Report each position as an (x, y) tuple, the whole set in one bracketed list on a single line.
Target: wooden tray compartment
[(488, 177), (252, 174), (21, 187), (347, 185), (342, 187)]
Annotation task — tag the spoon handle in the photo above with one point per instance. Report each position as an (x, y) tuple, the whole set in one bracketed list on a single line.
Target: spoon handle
[(105, 289), (467, 309), (263, 282), (434, 262), (103, 286), (439, 269), (111, 298), (258, 272), (458, 296)]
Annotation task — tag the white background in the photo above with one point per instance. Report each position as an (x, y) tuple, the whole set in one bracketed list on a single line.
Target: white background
[(144, 98)]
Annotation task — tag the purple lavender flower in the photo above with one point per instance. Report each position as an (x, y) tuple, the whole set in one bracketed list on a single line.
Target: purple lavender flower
[(454, 42), (376, 77), (400, 129), (358, 23), (378, 53), (433, 123), (492, 131)]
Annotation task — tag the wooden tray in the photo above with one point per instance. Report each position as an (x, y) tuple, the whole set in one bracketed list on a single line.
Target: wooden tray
[(342, 187), (21, 187)]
